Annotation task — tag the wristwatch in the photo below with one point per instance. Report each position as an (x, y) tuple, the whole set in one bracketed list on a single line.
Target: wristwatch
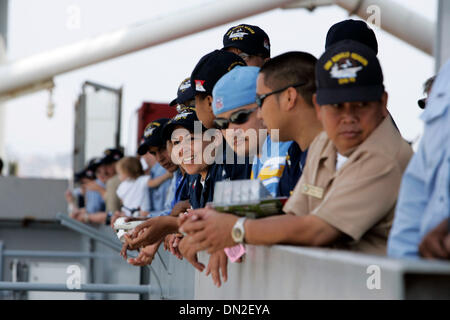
[(238, 231)]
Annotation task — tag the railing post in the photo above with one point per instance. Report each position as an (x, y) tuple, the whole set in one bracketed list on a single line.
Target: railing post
[(144, 275), (1, 260)]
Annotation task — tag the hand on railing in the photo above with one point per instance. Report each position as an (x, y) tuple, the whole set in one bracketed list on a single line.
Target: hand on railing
[(171, 243), (218, 262), (189, 250), (145, 256)]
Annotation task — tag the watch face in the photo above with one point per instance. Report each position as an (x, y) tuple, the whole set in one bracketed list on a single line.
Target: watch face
[(237, 233)]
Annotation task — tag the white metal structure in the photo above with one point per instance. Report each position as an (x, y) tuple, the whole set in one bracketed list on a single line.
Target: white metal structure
[(23, 73), (395, 19)]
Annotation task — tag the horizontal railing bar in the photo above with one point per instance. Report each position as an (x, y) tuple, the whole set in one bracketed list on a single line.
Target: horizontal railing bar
[(106, 288), (54, 254)]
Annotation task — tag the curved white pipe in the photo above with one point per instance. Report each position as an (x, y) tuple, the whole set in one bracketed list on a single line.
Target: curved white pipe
[(398, 20), (23, 73)]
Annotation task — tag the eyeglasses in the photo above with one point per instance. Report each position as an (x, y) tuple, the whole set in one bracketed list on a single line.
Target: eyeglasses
[(238, 117), (260, 98)]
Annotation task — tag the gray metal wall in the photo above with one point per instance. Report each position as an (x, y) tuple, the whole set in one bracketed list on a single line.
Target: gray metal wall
[(31, 198)]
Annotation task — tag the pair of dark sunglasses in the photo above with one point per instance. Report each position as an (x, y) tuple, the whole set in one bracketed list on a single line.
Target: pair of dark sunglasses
[(260, 98), (238, 117)]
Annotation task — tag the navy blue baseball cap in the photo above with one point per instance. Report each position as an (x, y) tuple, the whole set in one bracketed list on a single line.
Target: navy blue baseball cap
[(152, 136), (211, 68), (184, 93), (111, 155), (250, 39), (187, 120), (350, 29), (89, 171), (349, 71)]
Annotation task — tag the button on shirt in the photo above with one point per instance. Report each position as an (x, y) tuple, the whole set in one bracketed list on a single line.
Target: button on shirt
[(424, 199), (358, 199)]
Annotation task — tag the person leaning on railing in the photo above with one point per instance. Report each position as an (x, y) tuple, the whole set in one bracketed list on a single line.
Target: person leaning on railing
[(421, 225), (347, 193)]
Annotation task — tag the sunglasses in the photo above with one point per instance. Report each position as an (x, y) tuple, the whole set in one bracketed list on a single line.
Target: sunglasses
[(260, 98), (422, 103), (238, 117)]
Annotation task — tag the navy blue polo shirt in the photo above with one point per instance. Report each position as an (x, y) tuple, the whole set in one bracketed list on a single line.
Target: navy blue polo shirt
[(200, 195), (239, 169), (182, 192), (295, 162)]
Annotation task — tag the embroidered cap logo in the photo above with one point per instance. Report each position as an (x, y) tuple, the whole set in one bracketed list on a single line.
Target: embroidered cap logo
[(345, 66)]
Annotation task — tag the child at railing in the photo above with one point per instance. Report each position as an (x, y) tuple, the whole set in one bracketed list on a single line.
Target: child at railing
[(133, 189)]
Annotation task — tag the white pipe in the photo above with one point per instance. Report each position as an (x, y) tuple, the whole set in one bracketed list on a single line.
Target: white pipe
[(396, 19), (44, 66)]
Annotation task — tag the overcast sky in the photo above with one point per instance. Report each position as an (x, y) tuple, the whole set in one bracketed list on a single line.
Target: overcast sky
[(154, 74)]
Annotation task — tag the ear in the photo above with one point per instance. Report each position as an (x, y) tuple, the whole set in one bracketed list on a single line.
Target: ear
[(317, 107), (292, 96), (209, 98)]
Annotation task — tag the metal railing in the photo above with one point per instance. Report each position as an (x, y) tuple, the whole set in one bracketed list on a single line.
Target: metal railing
[(106, 239), (105, 288)]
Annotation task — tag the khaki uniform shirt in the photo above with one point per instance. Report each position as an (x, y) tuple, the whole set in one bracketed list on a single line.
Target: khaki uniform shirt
[(359, 199), (112, 201)]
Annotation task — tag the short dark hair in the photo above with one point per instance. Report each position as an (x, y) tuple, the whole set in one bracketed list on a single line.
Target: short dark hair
[(290, 68), (1, 166)]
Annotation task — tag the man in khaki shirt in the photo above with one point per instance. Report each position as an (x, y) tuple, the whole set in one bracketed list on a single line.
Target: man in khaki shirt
[(347, 193), (359, 198)]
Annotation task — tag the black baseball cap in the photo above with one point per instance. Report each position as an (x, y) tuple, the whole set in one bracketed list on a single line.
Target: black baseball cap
[(349, 71), (89, 171), (111, 155), (211, 68), (152, 136), (184, 93), (355, 30), (186, 119), (250, 39)]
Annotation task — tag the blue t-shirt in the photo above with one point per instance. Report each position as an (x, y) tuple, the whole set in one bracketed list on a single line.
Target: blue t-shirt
[(158, 195), (94, 200), (269, 168)]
